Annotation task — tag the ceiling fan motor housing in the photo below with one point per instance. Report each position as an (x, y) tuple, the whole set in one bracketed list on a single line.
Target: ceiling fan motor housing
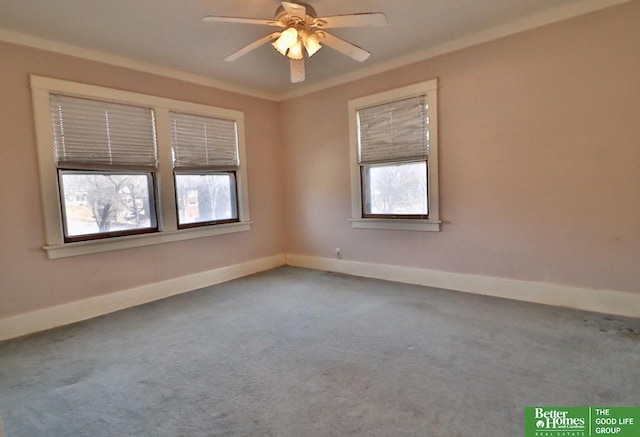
[(281, 15)]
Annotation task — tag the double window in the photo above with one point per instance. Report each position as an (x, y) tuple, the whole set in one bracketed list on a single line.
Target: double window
[(394, 159), (143, 168)]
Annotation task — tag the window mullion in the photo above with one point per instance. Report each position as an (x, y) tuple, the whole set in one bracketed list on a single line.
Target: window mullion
[(167, 221)]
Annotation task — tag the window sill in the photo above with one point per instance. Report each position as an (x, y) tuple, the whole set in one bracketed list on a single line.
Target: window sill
[(396, 224), (117, 243)]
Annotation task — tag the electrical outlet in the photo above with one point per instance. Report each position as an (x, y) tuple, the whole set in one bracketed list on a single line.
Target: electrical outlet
[(338, 253)]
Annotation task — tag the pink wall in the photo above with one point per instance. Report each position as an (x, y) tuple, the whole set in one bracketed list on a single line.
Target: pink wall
[(539, 159), (28, 280), (539, 169)]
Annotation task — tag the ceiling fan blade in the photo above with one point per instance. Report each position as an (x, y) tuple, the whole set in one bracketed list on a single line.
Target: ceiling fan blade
[(353, 20), (295, 9), (297, 70), (254, 45), (344, 47), (212, 19)]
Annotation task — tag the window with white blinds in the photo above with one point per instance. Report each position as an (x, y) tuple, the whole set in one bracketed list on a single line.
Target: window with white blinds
[(96, 133), (199, 142), (394, 159), (394, 131), (116, 163)]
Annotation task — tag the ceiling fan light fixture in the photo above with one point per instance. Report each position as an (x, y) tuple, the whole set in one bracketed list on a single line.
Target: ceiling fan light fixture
[(288, 38), (311, 43), (300, 30), (280, 48), (295, 52)]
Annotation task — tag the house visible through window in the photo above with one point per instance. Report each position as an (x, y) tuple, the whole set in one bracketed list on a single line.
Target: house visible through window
[(394, 159)]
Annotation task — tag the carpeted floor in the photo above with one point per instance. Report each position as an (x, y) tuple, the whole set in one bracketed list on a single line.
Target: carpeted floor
[(294, 352)]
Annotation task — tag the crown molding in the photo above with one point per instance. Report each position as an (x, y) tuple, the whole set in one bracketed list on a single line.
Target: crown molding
[(537, 20), (121, 61)]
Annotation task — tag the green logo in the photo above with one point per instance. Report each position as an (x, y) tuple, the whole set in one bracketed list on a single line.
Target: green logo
[(582, 421)]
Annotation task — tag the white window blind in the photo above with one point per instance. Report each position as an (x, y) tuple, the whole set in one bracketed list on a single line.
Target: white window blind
[(203, 142), (394, 131), (91, 132)]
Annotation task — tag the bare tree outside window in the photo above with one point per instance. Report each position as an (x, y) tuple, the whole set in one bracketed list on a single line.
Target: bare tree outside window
[(396, 189), (206, 198), (100, 202)]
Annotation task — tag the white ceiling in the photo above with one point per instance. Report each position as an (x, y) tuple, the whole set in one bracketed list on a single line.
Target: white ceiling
[(171, 35)]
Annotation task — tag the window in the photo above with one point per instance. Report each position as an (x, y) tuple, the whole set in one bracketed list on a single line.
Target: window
[(394, 167), (396, 189), (121, 169), (205, 161), (206, 198), (113, 203), (106, 155)]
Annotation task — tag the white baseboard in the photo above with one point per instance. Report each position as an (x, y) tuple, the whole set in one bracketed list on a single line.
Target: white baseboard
[(602, 301), (52, 317)]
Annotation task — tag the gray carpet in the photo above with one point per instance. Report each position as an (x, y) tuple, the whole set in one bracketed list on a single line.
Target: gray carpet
[(294, 352)]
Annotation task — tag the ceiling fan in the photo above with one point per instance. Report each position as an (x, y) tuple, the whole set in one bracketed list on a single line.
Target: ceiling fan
[(302, 30)]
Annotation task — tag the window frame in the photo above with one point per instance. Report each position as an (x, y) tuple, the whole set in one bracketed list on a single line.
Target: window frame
[(110, 234), (234, 202), (365, 168), (166, 213), (360, 220)]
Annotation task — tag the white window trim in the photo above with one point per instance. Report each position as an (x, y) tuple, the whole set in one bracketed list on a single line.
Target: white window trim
[(42, 87), (430, 88)]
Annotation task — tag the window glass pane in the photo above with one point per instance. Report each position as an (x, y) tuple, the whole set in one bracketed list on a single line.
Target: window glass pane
[(208, 197), (396, 189), (106, 202)]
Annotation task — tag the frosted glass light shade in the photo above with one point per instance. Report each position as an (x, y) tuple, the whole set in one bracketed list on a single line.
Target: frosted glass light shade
[(312, 44), (287, 40), (295, 52)]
